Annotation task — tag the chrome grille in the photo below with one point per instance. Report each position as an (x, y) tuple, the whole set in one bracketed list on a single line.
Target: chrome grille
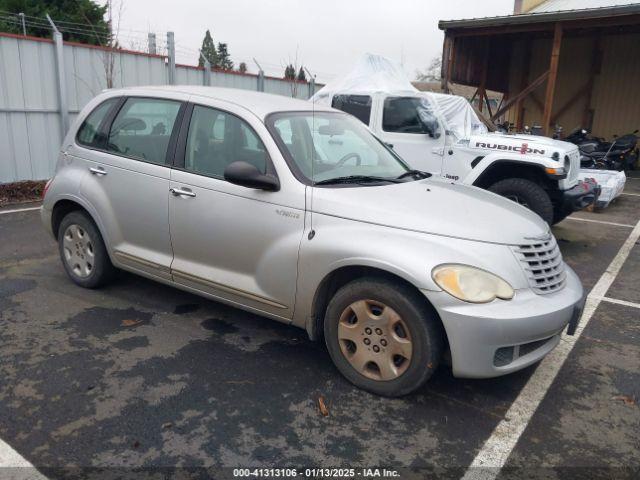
[(543, 265), (574, 159)]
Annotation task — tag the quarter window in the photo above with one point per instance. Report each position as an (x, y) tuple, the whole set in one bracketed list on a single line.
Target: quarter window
[(357, 105), (142, 129), (89, 131), (218, 138)]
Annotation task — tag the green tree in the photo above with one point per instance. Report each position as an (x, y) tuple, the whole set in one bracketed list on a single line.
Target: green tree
[(224, 60), (242, 68), (78, 20), (302, 76), (208, 50), (290, 72)]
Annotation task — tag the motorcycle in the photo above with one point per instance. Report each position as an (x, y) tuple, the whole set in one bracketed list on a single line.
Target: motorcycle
[(595, 152)]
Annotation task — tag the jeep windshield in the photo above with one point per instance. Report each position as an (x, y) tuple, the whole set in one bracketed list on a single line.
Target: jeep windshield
[(326, 148)]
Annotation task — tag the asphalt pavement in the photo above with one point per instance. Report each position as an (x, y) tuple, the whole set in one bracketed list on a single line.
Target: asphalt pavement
[(139, 375)]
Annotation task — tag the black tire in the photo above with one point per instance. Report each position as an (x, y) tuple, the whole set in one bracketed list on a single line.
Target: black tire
[(101, 269), (559, 214), (526, 193), (425, 333)]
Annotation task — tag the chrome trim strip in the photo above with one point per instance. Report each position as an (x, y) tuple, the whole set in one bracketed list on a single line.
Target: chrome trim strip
[(141, 261), (225, 288)]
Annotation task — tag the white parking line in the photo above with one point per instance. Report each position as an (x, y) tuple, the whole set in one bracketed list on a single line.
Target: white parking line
[(621, 302), (17, 210), (632, 194), (578, 219), (18, 468), (496, 450)]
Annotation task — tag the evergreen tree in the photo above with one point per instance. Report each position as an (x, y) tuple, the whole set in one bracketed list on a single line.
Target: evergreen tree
[(242, 68), (208, 50), (92, 27), (302, 77), (224, 60), (290, 72)]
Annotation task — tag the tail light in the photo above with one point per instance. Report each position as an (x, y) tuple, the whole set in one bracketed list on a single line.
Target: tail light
[(46, 187)]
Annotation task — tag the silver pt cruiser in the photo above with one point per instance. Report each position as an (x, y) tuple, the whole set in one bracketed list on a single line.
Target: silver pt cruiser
[(300, 214)]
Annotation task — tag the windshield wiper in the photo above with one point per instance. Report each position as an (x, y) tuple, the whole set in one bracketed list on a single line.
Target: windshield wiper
[(355, 179), (417, 173)]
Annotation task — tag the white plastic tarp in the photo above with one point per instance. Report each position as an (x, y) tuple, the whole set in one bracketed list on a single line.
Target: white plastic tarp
[(611, 181), (371, 74), (377, 74), (459, 116)]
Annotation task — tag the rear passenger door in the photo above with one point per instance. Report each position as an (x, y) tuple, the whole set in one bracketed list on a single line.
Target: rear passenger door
[(235, 243), (128, 182)]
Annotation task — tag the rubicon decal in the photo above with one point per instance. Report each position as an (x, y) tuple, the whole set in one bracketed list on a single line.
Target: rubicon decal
[(523, 149)]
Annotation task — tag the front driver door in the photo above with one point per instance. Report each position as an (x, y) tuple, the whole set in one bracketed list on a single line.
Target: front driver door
[(235, 243), (403, 128)]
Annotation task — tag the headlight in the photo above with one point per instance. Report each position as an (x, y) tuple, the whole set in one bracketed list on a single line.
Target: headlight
[(471, 284)]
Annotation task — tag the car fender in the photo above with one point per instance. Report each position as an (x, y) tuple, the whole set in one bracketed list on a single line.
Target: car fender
[(409, 255), (495, 159)]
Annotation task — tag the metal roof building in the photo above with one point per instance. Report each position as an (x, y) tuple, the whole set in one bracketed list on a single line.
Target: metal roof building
[(570, 62)]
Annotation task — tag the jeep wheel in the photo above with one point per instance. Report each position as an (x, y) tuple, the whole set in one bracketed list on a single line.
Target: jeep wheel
[(383, 337), (528, 194), (559, 214), (82, 251)]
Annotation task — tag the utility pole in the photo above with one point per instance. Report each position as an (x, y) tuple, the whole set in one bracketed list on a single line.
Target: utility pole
[(61, 79), (171, 47), (24, 26), (260, 76), (206, 80), (312, 83), (152, 43)]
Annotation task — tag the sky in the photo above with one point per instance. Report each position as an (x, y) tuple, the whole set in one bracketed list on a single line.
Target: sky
[(326, 36)]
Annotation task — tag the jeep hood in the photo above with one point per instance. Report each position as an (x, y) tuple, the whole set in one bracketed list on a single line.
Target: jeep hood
[(534, 144), (434, 207)]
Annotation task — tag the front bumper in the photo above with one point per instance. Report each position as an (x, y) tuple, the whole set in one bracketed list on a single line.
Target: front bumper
[(489, 340), (585, 193)]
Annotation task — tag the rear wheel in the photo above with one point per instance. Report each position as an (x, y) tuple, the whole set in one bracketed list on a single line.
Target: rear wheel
[(382, 337), (82, 251), (528, 194)]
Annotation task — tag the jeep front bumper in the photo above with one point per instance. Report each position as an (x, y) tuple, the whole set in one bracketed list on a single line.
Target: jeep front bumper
[(585, 193), (500, 337)]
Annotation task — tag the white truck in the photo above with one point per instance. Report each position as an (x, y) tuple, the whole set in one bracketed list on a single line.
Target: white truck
[(441, 134)]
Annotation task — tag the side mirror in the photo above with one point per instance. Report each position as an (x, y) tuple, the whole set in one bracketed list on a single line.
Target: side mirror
[(248, 175)]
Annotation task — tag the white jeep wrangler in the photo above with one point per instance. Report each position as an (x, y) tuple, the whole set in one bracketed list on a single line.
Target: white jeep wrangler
[(442, 134)]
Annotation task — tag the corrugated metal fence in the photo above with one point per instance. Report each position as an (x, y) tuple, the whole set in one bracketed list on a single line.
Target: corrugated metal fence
[(31, 94)]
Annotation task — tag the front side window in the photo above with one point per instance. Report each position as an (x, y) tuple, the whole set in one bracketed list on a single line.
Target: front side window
[(325, 146), (409, 115), (88, 134), (357, 105), (142, 129), (217, 138)]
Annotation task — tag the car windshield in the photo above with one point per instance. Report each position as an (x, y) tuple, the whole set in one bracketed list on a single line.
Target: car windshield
[(328, 148)]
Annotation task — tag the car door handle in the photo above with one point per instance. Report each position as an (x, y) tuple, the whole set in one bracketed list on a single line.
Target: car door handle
[(97, 171), (178, 192)]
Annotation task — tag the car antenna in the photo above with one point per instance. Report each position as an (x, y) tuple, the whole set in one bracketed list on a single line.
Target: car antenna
[(312, 232)]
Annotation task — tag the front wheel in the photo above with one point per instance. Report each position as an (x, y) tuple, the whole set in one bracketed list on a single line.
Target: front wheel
[(382, 336), (83, 252), (528, 194)]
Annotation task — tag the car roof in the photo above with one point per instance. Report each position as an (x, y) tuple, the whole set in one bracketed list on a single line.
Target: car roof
[(259, 103)]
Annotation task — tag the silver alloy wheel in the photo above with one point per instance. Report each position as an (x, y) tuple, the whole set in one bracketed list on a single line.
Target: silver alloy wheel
[(78, 250), (375, 340)]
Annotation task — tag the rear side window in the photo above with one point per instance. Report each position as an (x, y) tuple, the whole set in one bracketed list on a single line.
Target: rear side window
[(217, 138), (142, 129), (89, 131), (357, 105)]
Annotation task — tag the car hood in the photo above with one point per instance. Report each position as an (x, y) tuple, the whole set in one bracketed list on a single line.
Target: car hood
[(435, 207), (525, 144)]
